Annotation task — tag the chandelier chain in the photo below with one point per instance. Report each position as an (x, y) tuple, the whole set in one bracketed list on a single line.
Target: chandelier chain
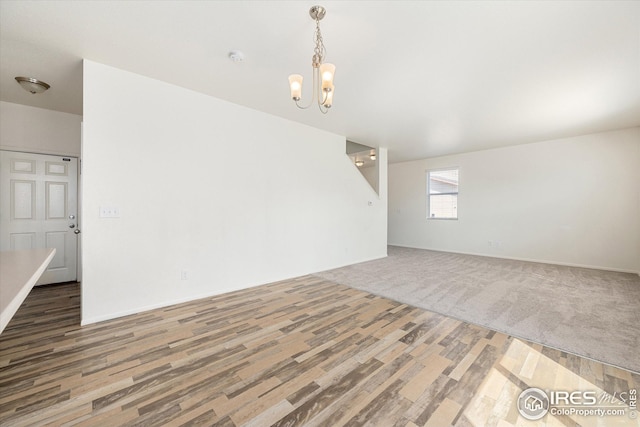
[(319, 51)]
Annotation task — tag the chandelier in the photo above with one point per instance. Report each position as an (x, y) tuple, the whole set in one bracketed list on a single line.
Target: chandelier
[(323, 72)]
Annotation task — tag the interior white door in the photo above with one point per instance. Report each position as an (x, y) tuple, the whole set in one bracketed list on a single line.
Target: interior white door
[(39, 209)]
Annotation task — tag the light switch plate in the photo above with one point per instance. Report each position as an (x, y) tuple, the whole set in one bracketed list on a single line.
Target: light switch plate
[(109, 212)]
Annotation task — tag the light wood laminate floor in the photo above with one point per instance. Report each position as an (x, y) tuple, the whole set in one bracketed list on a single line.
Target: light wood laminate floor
[(298, 352)]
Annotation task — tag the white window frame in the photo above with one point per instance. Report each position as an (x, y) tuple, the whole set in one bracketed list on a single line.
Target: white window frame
[(428, 193)]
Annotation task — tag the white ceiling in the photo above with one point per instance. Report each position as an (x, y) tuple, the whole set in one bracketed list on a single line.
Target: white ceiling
[(420, 78)]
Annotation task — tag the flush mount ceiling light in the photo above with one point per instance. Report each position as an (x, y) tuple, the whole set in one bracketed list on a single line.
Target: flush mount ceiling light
[(359, 163), (372, 156), (32, 85), (322, 72)]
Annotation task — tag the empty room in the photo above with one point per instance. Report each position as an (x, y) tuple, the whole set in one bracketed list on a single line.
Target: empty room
[(347, 213)]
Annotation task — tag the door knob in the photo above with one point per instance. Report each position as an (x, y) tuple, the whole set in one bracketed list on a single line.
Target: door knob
[(76, 231), (72, 225)]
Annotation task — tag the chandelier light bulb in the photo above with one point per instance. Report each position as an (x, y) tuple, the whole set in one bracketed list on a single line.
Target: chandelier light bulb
[(327, 72), (295, 83)]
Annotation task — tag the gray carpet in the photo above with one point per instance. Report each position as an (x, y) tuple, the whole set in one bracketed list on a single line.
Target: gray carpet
[(587, 312)]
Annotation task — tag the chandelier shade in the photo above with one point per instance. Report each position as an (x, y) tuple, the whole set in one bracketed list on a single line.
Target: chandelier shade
[(295, 82), (327, 72)]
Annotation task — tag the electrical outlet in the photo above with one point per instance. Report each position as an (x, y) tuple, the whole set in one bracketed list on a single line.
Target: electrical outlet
[(184, 275)]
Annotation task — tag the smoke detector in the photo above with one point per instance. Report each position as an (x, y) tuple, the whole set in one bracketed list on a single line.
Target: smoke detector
[(236, 56)]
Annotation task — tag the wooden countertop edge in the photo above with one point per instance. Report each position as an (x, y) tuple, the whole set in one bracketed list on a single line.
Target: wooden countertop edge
[(7, 313)]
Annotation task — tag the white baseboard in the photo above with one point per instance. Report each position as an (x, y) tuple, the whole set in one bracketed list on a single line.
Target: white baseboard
[(539, 261)]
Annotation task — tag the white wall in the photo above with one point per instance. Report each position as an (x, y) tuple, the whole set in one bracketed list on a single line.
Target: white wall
[(370, 173), (36, 130), (232, 196), (638, 204), (571, 201)]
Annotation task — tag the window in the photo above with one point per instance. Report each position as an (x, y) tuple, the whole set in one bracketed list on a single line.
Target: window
[(442, 191)]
